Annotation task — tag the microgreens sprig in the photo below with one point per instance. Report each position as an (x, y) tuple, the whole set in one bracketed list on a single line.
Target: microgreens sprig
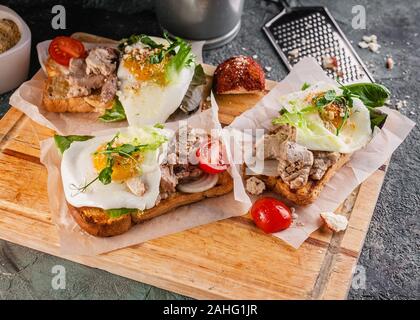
[(126, 150)]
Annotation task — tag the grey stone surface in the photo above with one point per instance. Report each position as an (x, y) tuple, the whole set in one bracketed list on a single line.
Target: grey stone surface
[(391, 252)]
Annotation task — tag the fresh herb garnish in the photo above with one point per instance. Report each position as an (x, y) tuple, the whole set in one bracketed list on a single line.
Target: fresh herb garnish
[(305, 86), (371, 94), (126, 150), (159, 126), (64, 142), (116, 113), (133, 39), (178, 50)]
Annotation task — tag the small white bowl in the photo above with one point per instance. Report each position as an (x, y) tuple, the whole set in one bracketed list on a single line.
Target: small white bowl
[(14, 63)]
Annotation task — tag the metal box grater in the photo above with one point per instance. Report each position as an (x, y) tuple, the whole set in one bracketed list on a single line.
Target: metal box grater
[(314, 32)]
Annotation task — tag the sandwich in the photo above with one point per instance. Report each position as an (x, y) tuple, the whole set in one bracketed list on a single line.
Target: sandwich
[(315, 134), (79, 80), (144, 80), (112, 182)]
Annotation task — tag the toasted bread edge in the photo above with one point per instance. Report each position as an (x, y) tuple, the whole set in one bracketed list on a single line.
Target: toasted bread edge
[(104, 226), (310, 191)]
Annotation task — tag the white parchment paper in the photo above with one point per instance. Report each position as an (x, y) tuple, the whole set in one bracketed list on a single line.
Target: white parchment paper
[(73, 240), (362, 164), (28, 99)]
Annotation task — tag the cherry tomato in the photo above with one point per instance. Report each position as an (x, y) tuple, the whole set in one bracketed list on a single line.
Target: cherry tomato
[(211, 158), (271, 215), (62, 49)]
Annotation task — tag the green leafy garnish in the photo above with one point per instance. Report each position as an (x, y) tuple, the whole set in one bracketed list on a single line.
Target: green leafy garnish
[(159, 126), (64, 142), (116, 113), (182, 58), (295, 119), (133, 39), (178, 50), (377, 118), (126, 150), (116, 213), (305, 86), (371, 94)]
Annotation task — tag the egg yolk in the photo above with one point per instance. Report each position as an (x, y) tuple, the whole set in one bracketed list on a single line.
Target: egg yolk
[(331, 113), (124, 167), (140, 66)]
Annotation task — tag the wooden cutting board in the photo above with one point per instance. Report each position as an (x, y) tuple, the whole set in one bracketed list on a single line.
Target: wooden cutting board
[(229, 259)]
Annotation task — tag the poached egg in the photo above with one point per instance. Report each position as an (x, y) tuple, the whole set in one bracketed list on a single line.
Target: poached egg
[(315, 132), (81, 163), (145, 93)]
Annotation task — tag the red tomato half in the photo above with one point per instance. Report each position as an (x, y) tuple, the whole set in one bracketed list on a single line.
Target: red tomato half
[(62, 49), (212, 158), (271, 215)]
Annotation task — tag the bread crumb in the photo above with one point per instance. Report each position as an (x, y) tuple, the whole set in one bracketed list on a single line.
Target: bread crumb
[(267, 68), (335, 222), (363, 45), (370, 39), (374, 47)]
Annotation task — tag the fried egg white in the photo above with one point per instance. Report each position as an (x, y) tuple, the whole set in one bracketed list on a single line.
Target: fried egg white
[(147, 102), (354, 135), (77, 169)]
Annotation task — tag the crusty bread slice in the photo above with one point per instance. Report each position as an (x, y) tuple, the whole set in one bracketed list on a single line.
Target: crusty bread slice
[(54, 69), (310, 191), (97, 222), (54, 99), (54, 96)]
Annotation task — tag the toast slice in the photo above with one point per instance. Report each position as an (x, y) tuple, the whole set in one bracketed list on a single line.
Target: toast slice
[(54, 96), (96, 221), (54, 99), (308, 193)]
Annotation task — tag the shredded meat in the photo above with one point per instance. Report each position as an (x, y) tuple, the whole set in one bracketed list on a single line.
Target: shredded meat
[(77, 67), (322, 161), (101, 61), (295, 162), (109, 89), (168, 181), (274, 139), (136, 186), (87, 82), (97, 71), (179, 169)]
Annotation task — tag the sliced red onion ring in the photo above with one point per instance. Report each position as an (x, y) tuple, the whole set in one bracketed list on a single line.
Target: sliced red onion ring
[(206, 182)]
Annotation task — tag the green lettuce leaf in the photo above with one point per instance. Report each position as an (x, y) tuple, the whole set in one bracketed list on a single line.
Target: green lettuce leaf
[(372, 95), (182, 59), (64, 142), (116, 213), (116, 113)]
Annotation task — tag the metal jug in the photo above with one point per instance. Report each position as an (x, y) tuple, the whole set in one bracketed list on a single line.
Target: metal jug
[(216, 22)]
